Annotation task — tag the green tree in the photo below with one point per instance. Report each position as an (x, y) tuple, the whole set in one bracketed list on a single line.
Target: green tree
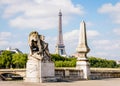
[(6, 59), (19, 60), (9, 59), (61, 61), (57, 57), (102, 63), (1, 64)]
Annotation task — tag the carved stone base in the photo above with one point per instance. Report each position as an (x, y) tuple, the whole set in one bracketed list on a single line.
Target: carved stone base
[(38, 71), (84, 65)]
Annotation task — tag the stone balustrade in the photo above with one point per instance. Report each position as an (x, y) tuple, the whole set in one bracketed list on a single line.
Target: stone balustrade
[(75, 74), (69, 73), (100, 73)]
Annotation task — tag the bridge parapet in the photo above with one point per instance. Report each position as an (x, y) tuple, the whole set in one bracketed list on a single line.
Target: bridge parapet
[(100, 73), (96, 73), (21, 72)]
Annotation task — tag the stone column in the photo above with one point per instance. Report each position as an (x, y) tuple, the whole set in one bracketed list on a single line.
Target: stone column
[(39, 66), (82, 50), (39, 71), (33, 69)]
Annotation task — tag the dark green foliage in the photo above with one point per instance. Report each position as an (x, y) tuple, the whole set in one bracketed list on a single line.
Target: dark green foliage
[(61, 61), (12, 60), (94, 62), (118, 65), (19, 60), (65, 63), (102, 63), (56, 57), (6, 59)]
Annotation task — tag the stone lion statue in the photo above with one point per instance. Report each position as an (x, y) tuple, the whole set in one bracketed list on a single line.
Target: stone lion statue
[(38, 46)]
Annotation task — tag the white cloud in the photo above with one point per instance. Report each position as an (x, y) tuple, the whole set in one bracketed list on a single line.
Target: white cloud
[(101, 42), (5, 35), (106, 44), (71, 41), (18, 44), (105, 48), (7, 40), (43, 23), (3, 43), (8, 2), (38, 13), (74, 34), (92, 33), (117, 31), (112, 10), (71, 36)]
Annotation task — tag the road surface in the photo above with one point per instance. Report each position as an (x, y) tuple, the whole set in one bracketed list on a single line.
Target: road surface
[(103, 82)]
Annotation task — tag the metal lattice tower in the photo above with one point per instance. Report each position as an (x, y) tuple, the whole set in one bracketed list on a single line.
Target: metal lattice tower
[(60, 48)]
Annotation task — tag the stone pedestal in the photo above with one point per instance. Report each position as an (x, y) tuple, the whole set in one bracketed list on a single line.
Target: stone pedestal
[(47, 71), (84, 65), (38, 71)]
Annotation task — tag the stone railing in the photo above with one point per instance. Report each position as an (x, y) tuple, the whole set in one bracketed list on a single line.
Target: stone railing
[(69, 73), (96, 73), (14, 71), (100, 73), (73, 73)]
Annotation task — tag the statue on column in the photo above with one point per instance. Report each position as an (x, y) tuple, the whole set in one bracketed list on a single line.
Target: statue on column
[(38, 47), (39, 59)]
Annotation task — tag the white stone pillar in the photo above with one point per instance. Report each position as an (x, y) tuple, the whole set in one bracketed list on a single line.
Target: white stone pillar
[(82, 50), (38, 71)]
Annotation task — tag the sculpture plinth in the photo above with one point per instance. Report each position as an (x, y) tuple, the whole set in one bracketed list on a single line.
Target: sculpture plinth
[(39, 65), (82, 50)]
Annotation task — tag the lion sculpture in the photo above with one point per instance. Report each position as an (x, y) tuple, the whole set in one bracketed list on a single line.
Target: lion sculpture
[(38, 46)]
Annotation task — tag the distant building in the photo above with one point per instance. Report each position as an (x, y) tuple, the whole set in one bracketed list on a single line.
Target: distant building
[(13, 50), (16, 50), (118, 62)]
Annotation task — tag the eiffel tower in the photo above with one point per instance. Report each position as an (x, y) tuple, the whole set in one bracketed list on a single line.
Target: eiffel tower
[(60, 47)]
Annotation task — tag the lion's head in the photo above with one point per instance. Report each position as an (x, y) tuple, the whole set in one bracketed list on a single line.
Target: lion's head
[(33, 36)]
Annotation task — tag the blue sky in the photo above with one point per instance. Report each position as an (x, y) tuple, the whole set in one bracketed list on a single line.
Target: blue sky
[(19, 17)]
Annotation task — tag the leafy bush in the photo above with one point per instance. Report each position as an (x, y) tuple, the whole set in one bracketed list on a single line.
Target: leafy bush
[(61, 61), (94, 62), (102, 63), (65, 63)]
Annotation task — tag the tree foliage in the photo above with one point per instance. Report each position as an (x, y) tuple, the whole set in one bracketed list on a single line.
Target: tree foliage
[(94, 62), (18, 60), (102, 63), (61, 61), (15, 60), (6, 59)]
